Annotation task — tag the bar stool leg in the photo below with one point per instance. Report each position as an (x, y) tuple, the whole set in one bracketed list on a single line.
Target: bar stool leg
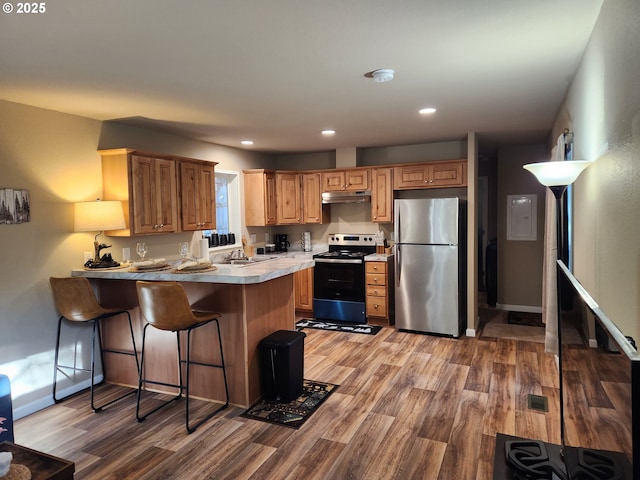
[(96, 327), (191, 429), (142, 380)]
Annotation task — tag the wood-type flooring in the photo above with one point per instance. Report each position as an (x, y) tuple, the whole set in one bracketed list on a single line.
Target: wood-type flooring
[(409, 406)]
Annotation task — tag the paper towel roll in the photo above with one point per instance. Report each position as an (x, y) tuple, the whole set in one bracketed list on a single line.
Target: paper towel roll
[(204, 248)]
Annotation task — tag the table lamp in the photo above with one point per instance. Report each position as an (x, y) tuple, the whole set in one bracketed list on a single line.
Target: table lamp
[(98, 216)]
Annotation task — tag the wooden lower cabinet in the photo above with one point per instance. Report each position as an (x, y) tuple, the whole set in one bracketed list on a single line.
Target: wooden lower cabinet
[(379, 292), (303, 288)]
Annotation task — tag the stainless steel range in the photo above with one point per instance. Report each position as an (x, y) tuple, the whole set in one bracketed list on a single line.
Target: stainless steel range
[(339, 278)]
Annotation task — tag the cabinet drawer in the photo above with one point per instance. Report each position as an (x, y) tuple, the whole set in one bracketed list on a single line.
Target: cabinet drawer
[(376, 290), (376, 279), (376, 267), (376, 307)]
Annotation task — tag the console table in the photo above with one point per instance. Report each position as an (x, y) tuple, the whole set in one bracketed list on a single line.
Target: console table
[(42, 465)]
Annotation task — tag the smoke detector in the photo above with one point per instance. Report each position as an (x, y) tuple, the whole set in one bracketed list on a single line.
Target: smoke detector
[(383, 75)]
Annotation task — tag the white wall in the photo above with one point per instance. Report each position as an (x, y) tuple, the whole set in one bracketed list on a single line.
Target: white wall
[(604, 104)]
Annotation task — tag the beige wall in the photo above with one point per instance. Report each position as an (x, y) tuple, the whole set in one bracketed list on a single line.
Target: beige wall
[(520, 262), (604, 105), (54, 156)]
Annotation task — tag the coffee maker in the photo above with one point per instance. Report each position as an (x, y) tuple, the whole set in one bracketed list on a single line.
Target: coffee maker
[(282, 243)]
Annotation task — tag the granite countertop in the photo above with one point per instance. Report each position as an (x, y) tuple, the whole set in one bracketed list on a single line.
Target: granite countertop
[(277, 266), (379, 257)]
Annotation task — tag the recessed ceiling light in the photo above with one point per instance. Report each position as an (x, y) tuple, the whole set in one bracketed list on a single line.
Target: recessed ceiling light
[(427, 110), (328, 132), (247, 142)]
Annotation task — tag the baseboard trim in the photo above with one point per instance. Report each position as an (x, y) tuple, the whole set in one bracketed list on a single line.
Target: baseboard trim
[(519, 308), (33, 407)]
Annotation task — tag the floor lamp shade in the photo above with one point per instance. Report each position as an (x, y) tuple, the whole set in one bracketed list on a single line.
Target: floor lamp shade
[(552, 174), (98, 216)]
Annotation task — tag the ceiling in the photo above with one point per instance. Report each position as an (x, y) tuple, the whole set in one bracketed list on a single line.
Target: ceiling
[(280, 71)]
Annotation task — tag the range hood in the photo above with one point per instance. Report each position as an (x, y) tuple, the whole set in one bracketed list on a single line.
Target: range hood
[(361, 196)]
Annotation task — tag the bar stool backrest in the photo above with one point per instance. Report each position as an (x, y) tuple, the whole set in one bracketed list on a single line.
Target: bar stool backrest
[(165, 305), (74, 298)]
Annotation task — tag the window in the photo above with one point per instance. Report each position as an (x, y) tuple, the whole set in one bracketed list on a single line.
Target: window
[(222, 203), (227, 204)]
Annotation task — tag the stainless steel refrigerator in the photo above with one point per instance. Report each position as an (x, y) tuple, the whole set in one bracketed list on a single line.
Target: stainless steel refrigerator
[(430, 265)]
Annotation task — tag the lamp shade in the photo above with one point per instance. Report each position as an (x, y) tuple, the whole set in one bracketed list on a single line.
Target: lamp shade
[(98, 216), (551, 174)]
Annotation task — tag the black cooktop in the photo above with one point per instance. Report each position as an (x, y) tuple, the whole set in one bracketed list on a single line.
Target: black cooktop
[(342, 254)]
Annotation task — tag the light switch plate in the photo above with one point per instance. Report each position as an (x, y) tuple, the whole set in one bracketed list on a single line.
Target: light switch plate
[(266, 237), (253, 238), (126, 254)]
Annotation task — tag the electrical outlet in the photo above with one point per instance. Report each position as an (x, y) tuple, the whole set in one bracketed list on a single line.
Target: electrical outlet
[(126, 254), (87, 256), (253, 238), (266, 237)]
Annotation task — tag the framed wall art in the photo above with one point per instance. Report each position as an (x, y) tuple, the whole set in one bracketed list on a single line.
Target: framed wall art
[(14, 206)]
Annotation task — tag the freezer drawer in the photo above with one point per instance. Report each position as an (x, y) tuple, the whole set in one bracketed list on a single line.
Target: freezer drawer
[(427, 289)]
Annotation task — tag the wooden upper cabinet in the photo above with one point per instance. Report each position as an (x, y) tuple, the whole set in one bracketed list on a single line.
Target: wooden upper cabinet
[(197, 193), (339, 180), (288, 198), (146, 186), (313, 211), (382, 195), (259, 197), (149, 188), (430, 175), (357, 179)]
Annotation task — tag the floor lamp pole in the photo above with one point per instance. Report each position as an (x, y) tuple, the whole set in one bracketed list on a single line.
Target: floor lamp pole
[(558, 192)]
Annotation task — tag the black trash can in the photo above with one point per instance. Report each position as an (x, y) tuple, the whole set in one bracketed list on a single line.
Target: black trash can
[(282, 365)]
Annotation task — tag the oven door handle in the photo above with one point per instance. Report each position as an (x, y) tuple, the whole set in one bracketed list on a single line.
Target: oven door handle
[(337, 260)]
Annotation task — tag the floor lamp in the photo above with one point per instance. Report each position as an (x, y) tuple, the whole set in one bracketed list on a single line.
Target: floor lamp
[(557, 176)]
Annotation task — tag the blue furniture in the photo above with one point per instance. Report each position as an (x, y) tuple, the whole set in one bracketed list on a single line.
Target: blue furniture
[(6, 410)]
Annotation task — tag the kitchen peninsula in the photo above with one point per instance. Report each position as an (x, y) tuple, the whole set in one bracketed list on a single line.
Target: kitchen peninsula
[(254, 300)]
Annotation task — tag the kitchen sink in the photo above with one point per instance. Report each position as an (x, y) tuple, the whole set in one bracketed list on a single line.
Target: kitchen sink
[(244, 261)]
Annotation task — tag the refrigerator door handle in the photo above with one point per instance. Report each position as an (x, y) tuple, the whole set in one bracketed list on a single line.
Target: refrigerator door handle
[(398, 263)]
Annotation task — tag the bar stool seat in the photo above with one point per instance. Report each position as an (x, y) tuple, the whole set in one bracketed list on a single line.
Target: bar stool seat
[(75, 301), (165, 306)]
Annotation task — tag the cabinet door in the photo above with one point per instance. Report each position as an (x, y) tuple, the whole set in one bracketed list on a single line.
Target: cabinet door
[(303, 287), (143, 195), (166, 195), (333, 181), (448, 175), (197, 193), (411, 176), (382, 194), (357, 179), (271, 205), (153, 188), (312, 211), (259, 198), (289, 198)]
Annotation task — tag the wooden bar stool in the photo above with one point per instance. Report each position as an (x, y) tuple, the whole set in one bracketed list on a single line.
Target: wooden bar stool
[(165, 306), (75, 301)]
